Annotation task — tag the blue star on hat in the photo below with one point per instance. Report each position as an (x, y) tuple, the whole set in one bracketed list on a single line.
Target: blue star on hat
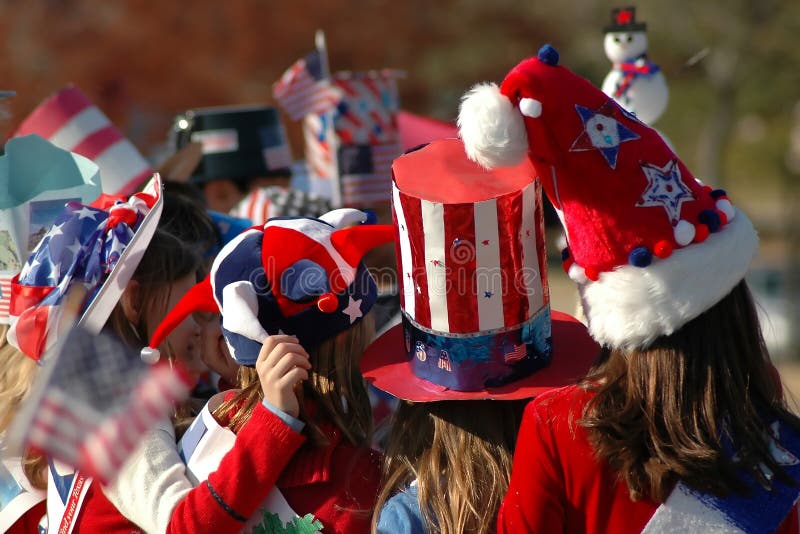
[(601, 131), (665, 188)]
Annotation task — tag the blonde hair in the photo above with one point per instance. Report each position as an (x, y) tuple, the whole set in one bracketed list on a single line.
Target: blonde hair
[(16, 378), (335, 382), (17, 372), (460, 453)]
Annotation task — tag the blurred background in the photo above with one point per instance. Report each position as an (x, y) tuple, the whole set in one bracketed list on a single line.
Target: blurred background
[(732, 66)]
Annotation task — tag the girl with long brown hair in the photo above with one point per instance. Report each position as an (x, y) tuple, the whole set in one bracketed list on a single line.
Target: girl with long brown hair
[(681, 426), (295, 299), (464, 377)]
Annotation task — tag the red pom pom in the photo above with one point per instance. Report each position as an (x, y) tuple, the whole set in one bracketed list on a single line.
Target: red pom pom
[(723, 219), (591, 273), (566, 264), (328, 303), (707, 189), (701, 233), (663, 249), (121, 215)]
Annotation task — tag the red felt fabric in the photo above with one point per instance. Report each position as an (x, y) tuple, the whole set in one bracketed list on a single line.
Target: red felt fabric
[(28, 523), (334, 483), (557, 485), (599, 202)]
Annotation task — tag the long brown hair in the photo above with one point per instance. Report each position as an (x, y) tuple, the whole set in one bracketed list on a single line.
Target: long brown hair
[(166, 260), (460, 453), (662, 414), (335, 382)]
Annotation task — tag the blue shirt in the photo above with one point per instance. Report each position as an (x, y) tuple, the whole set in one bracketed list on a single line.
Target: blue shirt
[(402, 513)]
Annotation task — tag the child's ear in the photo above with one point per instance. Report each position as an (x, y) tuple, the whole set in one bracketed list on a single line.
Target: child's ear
[(131, 302)]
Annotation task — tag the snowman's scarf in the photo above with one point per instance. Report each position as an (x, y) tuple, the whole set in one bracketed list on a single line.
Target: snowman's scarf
[(762, 511), (631, 70)]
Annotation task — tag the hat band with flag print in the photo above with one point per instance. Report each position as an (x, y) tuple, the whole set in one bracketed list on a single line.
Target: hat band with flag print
[(69, 120), (95, 246)]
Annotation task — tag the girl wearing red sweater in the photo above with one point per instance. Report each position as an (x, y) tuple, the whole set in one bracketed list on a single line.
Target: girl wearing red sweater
[(682, 425), (298, 430)]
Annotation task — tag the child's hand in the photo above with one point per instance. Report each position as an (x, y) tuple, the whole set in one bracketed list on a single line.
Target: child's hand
[(282, 363)]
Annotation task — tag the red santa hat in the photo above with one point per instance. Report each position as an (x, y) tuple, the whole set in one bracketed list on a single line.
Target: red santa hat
[(649, 246)]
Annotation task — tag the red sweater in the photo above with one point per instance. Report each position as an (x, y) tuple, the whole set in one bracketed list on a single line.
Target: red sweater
[(28, 523), (557, 484), (338, 484)]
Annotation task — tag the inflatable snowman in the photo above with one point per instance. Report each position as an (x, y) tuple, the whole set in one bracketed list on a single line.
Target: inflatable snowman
[(634, 82)]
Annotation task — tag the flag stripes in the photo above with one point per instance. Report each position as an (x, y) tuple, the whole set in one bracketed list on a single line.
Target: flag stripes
[(69, 120)]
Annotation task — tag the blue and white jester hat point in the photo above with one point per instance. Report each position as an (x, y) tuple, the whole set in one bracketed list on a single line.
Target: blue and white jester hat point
[(293, 275)]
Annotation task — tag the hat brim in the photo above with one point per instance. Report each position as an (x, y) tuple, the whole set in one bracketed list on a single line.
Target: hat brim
[(386, 366), (99, 310)]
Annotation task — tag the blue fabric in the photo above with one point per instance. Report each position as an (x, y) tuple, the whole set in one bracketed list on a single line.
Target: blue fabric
[(402, 514), (293, 422), (477, 362)]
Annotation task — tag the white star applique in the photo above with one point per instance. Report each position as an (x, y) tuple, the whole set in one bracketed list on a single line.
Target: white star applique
[(85, 213), (353, 309), (665, 188), (56, 230), (55, 272)]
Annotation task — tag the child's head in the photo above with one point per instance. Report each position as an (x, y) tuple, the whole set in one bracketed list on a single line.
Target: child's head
[(659, 259), (460, 454), (240, 146), (302, 277), (334, 382), (660, 413), (478, 337), (166, 272)]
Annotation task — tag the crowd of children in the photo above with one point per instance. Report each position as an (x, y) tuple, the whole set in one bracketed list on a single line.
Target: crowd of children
[(662, 413)]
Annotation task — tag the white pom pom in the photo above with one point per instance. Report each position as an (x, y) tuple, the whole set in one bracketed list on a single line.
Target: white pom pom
[(724, 205), (684, 233), (150, 355), (577, 274), (493, 131), (530, 107)]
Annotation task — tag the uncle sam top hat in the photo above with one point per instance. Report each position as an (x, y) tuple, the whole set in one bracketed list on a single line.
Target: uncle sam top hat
[(476, 318)]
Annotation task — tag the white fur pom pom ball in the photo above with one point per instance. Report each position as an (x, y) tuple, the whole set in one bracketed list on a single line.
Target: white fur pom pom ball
[(492, 129), (577, 274)]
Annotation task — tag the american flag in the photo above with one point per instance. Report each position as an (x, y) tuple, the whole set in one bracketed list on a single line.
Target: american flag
[(366, 127), (365, 173), (304, 88), (69, 120), (516, 353), (93, 401), (274, 201)]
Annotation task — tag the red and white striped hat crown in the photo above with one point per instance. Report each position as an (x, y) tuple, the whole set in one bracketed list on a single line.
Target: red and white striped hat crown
[(69, 120), (650, 247), (473, 286)]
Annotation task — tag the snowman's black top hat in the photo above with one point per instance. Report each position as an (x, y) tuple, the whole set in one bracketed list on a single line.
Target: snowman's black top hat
[(623, 19)]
